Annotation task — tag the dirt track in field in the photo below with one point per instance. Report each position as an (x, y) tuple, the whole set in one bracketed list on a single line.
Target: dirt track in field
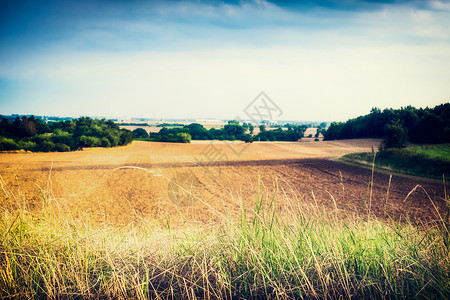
[(157, 182)]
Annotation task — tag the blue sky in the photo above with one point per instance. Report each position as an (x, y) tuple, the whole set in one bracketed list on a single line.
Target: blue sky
[(318, 60)]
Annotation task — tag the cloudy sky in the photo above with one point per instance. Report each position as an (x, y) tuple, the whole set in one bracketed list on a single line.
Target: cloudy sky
[(316, 59)]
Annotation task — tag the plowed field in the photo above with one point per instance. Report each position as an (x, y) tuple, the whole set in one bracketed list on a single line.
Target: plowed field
[(196, 183)]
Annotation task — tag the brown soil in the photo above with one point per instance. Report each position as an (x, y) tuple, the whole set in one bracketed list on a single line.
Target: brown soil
[(180, 183)]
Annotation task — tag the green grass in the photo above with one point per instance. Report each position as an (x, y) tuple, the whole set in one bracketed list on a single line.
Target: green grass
[(425, 161), (433, 151), (266, 251)]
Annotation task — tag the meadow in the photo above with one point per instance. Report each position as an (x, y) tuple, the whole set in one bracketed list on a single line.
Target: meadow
[(431, 161), (218, 221)]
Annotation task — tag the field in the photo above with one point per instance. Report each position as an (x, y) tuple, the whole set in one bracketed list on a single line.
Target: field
[(218, 220), (155, 181), (431, 161)]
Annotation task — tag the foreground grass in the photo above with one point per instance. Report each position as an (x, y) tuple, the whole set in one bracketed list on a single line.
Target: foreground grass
[(308, 254), (425, 161)]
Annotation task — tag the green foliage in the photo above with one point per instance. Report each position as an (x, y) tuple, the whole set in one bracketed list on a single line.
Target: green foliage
[(231, 131), (180, 137), (140, 133), (7, 144), (433, 151), (136, 124), (89, 141), (68, 135), (395, 136), (59, 147), (45, 146), (168, 125), (425, 161), (197, 131), (294, 133), (105, 142), (428, 125), (251, 128), (184, 137)]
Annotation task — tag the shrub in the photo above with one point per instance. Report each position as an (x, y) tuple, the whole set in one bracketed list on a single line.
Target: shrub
[(27, 145), (184, 137), (8, 144), (89, 141), (140, 133), (125, 137), (395, 136), (114, 140), (105, 142), (45, 146), (61, 147)]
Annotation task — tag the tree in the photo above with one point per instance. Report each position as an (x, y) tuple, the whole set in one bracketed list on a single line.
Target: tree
[(29, 125), (395, 136), (233, 130), (251, 128), (5, 127), (262, 127), (7, 144), (197, 131), (183, 137), (140, 133), (125, 137)]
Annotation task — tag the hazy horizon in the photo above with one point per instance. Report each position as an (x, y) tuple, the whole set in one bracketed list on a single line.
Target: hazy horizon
[(197, 59)]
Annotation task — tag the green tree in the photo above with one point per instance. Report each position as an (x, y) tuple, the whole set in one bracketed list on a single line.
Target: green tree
[(140, 133), (395, 136), (183, 137), (251, 128)]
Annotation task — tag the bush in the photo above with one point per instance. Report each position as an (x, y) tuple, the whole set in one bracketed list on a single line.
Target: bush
[(27, 145), (105, 142), (395, 136), (125, 137), (175, 138), (140, 133), (61, 147), (45, 146), (89, 141), (113, 140), (8, 144), (33, 134), (62, 137), (184, 137)]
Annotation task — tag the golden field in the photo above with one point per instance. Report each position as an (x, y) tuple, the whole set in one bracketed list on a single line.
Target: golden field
[(189, 184)]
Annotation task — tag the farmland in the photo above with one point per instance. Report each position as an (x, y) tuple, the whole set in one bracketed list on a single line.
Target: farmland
[(219, 221), (190, 183)]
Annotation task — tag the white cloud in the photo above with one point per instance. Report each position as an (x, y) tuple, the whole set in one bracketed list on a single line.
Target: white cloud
[(306, 83), (198, 65), (440, 5)]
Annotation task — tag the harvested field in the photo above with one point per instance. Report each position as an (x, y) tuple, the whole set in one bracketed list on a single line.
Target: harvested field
[(195, 183)]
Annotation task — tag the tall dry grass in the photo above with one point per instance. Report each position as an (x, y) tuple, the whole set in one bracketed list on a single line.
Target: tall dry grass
[(273, 248)]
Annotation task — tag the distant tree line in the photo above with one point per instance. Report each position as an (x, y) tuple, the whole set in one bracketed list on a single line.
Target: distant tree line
[(231, 131), (30, 133), (397, 126), (169, 125), (133, 124)]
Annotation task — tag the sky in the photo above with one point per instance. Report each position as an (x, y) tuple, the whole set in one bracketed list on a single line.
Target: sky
[(316, 60)]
